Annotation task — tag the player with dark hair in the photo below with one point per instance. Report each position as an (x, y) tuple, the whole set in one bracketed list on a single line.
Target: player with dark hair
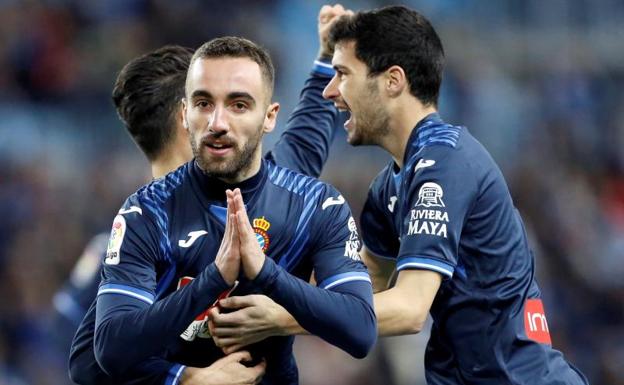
[(164, 268), (440, 213), (146, 95)]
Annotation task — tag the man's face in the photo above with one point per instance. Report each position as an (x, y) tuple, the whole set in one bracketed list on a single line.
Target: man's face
[(353, 90), (226, 112)]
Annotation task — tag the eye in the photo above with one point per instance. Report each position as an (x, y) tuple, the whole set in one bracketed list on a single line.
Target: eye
[(202, 104), (239, 106)]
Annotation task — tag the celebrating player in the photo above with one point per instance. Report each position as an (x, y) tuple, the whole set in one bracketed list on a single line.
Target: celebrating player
[(169, 231), (441, 213), (147, 97)]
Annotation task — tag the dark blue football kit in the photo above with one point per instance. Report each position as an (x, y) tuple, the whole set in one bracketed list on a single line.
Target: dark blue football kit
[(449, 210), (172, 229)]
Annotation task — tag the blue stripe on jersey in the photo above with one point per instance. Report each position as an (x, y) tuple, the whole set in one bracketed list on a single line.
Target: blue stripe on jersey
[(173, 376), (311, 190), (153, 196), (323, 68), (165, 280), (310, 201), (219, 212), (426, 263), (339, 279), (431, 133), (130, 291)]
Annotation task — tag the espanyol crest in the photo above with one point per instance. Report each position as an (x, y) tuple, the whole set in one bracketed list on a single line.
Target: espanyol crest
[(261, 226)]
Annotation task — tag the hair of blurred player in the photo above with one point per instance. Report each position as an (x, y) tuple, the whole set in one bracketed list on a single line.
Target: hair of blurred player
[(147, 96)]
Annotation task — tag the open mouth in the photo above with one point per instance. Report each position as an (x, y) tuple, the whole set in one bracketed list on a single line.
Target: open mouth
[(218, 148), (345, 108)]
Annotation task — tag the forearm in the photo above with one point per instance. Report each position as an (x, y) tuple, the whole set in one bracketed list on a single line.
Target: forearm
[(124, 322), (403, 308), (396, 314), (344, 319)]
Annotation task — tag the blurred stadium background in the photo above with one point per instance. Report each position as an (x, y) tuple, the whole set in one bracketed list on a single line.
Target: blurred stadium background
[(540, 83)]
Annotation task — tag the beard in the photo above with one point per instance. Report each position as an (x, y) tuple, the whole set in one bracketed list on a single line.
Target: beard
[(238, 163), (372, 122)]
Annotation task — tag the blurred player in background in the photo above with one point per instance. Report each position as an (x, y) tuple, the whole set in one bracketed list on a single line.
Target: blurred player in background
[(165, 235), (440, 214), (147, 97)]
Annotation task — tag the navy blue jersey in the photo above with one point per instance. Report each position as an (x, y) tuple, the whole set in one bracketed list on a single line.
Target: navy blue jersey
[(303, 147), (159, 276), (449, 210)]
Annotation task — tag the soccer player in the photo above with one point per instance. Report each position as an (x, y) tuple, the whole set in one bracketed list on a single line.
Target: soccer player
[(164, 267), (440, 213), (146, 96)]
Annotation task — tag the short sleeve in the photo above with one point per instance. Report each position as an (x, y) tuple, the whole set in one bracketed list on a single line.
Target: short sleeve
[(439, 195), (133, 249), (335, 256), (378, 230)]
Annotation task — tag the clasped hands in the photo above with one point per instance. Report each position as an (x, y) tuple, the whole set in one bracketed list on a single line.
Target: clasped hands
[(239, 247), (253, 317)]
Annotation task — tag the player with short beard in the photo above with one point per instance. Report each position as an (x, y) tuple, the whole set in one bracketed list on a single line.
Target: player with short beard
[(146, 95), (166, 233)]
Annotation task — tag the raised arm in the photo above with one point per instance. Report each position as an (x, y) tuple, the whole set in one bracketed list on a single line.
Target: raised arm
[(304, 145)]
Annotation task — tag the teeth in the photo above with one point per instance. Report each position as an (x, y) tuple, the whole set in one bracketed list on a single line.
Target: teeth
[(217, 145)]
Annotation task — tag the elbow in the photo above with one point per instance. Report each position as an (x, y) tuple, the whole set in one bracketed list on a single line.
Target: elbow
[(362, 347), (108, 354), (364, 341), (415, 321), (84, 370), (78, 373)]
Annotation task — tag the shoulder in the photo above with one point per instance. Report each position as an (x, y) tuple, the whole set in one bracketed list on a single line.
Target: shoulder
[(294, 182), (153, 196)]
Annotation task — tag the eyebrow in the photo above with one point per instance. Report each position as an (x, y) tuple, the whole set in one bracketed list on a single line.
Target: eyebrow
[(241, 95), (201, 94), (341, 68), (231, 96)]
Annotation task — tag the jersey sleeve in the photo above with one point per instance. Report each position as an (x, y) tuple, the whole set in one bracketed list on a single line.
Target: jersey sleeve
[(378, 231), (132, 253), (84, 368), (440, 193), (304, 145), (127, 313), (337, 244), (340, 309)]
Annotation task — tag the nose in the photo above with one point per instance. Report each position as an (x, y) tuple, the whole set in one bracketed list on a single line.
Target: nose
[(331, 91), (218, 124)]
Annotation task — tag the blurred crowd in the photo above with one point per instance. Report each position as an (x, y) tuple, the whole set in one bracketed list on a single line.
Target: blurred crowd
[(538, 83)]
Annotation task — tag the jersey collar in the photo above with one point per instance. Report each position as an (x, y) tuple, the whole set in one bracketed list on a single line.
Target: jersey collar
[(213, 189)]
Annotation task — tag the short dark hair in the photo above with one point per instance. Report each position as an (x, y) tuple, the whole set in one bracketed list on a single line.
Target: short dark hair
[(147, 94), (233, 46), (396, 35)]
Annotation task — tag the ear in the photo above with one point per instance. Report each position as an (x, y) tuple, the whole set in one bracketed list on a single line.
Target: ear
[(270, 119), (183, 112), (395, 81)]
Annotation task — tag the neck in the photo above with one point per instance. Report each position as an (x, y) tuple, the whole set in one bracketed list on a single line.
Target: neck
[(402, 123), (167, 162)]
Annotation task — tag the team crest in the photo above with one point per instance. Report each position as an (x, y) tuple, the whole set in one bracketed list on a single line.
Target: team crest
[(261, 226), (430, 195), (116, 239)]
